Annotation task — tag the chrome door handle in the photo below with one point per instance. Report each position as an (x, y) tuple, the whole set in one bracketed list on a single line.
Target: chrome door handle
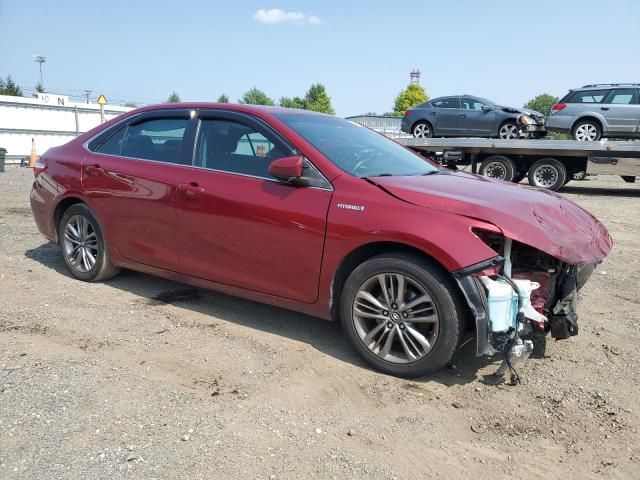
[(604, 108)]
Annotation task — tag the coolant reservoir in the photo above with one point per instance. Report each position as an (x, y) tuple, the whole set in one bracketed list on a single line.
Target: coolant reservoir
[(503, 304)]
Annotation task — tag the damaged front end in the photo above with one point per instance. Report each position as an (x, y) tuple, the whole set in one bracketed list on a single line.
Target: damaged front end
[(520, 292)]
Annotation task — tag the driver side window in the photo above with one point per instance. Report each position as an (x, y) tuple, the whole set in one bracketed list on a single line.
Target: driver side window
[(233, 147)]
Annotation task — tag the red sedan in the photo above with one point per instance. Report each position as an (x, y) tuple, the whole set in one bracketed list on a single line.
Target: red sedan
[(317, 214)]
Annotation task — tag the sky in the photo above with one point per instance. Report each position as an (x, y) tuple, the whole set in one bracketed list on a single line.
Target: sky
[(362, 51)]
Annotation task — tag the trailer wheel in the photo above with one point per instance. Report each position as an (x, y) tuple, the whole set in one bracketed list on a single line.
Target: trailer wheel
[(497, 166), (548, 173)]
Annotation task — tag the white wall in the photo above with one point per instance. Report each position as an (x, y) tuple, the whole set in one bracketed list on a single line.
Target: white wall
[(50, 120)]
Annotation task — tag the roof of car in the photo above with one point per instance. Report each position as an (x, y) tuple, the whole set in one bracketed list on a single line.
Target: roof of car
[(238, 107), (605, 86)]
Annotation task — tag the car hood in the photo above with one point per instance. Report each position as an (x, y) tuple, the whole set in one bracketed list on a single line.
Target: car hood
[(539, 218)]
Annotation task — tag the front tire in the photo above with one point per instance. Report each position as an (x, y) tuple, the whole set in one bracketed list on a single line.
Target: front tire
[(509, 130), (402, 314), (422, 130), (587, 131), (548, 173), (83, 247)]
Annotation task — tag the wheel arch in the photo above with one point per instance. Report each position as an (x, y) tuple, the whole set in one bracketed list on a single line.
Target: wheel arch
[(363, 253), (589, 117), (62, 207)]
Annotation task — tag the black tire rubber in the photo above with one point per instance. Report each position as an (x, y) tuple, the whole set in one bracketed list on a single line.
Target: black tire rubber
[(508, 165), (422, 122), (444, 293), (103, 268), (591, 122), (553, 163)]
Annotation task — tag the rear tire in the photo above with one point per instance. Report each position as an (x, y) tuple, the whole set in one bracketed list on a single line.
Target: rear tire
[(382, 330), (83, 247), (499, 167), (548, 173), (587, 131), (422, 130)]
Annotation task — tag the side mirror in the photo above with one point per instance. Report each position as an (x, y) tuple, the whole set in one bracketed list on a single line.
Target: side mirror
[(287, 169), (486, 108)]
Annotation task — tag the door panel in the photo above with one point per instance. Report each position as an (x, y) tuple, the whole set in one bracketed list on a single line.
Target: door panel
[(253, 233), (446, 116), (474, 120), (621, 110), (135, 201)]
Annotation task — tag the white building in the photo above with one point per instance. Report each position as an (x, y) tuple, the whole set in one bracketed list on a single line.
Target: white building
[(50, 120)]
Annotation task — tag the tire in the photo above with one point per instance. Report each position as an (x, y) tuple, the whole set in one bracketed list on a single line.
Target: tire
[(422, 130), (497, 166), (407, 354), (509, 130), (581, 175), (79, 230), (587, 131), (547, 173)]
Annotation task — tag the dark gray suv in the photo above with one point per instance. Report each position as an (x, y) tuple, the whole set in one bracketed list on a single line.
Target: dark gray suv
[(595, 111), (469, 116)]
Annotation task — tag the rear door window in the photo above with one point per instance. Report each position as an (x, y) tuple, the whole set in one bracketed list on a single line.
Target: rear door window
[(450, 102), (158, 139), (623, 96), (469, 103), (588, 96)]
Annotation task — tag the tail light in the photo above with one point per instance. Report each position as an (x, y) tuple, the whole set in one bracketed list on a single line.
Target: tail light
[(39, 167), (558, 106), (407, 113)]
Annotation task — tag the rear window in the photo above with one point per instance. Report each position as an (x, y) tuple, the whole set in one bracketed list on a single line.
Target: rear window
[(586, 96)]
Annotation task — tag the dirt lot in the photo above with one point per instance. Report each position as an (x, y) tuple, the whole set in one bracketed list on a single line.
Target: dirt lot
[(144, 378)]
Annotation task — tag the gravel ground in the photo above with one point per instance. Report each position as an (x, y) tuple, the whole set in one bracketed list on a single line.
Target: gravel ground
[(144, 378)]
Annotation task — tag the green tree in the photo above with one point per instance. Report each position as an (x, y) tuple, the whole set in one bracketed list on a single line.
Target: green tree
[(542, 103), (9, 87), (256, 97), (295, 102), (131, 105), (173, 98), (408, 98), (318, 100), (223, 99), (39, 88)]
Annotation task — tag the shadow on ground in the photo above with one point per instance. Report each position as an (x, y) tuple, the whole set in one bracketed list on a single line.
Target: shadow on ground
[(325, 336)]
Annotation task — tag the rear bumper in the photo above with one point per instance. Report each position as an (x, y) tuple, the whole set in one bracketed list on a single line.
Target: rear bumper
[(41, 209), (405, 125), (559, 123)]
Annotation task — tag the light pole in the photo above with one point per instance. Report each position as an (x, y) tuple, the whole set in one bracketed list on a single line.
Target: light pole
[(40, 59)]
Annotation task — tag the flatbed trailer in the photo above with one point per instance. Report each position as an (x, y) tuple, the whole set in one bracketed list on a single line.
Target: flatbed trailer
[(547, 163)]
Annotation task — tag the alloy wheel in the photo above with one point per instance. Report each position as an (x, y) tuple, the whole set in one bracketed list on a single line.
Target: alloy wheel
[(587, 132), (545, 176), (422, 130), (395, 318), (80, 243), (509, 131)]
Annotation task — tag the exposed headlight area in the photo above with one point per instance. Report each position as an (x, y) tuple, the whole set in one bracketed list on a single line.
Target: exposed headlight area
[(520, 292)]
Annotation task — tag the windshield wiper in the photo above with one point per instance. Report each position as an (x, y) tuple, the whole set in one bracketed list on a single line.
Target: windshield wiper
[(431, 173), (385, 174)]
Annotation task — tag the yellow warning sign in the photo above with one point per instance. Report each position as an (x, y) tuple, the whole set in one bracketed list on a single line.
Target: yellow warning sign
[(102, 100)]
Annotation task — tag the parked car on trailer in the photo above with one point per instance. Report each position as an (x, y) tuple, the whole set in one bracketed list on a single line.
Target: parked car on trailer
[(595, 111), (470, 116), (320, 215)]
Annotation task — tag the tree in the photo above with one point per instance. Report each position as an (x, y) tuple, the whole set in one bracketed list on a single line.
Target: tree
[(295, 102), (408, 98), (9, 87), (256, 97), (173, 98), (542, 103), (131, 105), (223, 99), (39, 88), (318, 100)]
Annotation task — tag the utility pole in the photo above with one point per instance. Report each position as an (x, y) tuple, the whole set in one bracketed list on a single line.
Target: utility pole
[(40, 59), (87, 93)]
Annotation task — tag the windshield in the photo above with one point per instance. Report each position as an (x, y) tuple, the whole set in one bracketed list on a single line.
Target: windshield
[(356, 149)]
